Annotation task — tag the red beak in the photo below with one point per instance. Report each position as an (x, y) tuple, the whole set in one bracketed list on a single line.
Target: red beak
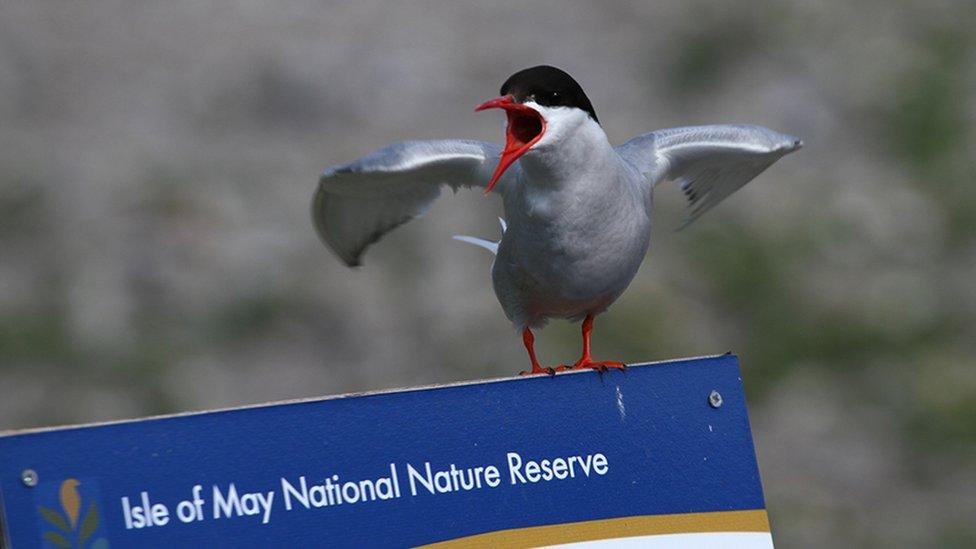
[(525, 128)]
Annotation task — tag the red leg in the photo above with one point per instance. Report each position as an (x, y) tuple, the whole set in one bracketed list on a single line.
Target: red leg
[(586, 361), (529, 340)]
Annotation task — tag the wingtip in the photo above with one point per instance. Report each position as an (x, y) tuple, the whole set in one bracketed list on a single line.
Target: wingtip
[(684, 224), (791, 144), (333, 171), (352, 260), (347, 259)]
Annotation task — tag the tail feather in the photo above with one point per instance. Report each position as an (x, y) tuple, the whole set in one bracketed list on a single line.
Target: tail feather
[(486, 244)]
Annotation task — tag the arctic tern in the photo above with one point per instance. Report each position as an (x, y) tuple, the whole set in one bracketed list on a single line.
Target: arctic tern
[(577, 209)]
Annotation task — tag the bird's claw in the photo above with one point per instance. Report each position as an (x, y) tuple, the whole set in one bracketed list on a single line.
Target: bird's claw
[(549, 370), (602, 366)]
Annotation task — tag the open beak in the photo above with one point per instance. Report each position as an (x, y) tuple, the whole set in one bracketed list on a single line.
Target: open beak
[(525, 128)]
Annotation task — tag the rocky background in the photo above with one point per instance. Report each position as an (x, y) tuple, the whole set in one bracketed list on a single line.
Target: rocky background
[(157, 255)]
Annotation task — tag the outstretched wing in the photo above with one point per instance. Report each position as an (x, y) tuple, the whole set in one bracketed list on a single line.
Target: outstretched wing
[(708, 162), (357, 203)]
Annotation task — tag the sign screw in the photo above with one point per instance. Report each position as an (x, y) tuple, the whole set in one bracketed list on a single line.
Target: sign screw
[(29, 478), (715, 399)]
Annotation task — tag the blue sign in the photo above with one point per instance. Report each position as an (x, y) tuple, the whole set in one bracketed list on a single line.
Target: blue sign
[(659, 454)]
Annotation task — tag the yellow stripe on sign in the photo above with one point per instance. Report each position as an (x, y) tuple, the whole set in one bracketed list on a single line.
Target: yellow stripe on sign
[(754, 520)]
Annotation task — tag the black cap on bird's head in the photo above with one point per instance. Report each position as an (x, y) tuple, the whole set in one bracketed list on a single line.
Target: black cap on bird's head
[(544, 85), (549, 87)]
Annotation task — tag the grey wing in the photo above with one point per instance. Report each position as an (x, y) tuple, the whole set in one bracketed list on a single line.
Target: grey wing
[(357, 203), (708, 162)]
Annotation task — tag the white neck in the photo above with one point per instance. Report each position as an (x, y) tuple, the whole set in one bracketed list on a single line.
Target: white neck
[(574, 146)]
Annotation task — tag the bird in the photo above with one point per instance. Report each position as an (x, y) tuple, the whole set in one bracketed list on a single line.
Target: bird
[(70, 500), (577, 209)]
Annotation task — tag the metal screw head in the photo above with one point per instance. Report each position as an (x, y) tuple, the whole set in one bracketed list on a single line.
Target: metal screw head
[(29, 478), (715, 399)]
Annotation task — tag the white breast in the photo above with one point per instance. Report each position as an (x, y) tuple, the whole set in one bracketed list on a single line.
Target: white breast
[(578, 230)]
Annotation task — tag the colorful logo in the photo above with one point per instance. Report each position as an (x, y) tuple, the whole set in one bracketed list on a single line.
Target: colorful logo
[(76, 524)]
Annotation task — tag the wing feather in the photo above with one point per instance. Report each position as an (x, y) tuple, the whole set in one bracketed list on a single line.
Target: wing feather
[(709, 163), (355, 204)]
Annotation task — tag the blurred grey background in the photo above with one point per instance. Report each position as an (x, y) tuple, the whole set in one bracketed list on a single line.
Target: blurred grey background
[(157, 255)]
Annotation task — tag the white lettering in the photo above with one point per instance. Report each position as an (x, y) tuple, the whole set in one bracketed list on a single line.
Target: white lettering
[(231, 506), (514, 464), (523, 471), (426, 481), (600, 465), (289, 491)]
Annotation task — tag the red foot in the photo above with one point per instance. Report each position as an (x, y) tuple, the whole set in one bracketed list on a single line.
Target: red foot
[(585, 361), (601, 365), (550, 370), (529, 341)]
